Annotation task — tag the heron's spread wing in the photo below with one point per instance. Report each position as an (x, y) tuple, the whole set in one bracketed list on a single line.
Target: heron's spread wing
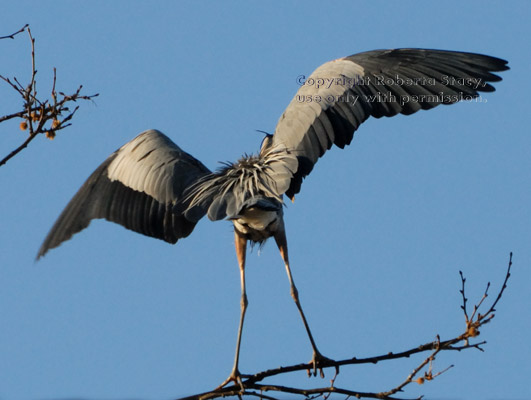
[(139, 186), (341, 94)]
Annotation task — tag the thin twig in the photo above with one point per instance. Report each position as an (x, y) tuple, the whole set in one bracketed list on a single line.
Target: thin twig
[(12, 36), (462, 291), (18, 149), (492, 308), (478, 305)]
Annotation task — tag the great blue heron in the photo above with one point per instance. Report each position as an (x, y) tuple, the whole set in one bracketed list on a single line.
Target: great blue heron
[(153, 187)]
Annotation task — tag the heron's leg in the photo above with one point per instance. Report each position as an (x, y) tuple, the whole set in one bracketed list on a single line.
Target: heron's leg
[(318, 358), (241, 248)]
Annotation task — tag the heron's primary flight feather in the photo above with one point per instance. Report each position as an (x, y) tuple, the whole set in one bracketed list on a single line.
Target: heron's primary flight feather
[(139, 187), (341, 94)]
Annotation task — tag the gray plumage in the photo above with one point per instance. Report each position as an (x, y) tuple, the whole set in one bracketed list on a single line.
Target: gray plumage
[(379, 83), (251, 181), (153, 187), (139, 186)]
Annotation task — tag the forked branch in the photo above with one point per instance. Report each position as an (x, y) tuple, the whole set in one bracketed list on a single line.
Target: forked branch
[(422, 373), (39, 116)]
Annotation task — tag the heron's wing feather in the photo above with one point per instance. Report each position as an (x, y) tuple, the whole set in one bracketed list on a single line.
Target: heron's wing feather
[(251, 181), (341, 94), (139, 186)]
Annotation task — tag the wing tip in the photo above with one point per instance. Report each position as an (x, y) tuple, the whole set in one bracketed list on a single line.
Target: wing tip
[(40, 255)]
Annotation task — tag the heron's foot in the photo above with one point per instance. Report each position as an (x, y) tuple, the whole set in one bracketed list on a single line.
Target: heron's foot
[(235, 377), (319, 362)]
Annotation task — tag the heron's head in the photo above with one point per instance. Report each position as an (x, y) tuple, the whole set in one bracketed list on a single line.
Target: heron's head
[(267, 141)]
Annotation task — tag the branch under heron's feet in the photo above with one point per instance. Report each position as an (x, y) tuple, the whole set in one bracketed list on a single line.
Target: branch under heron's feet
[(236, 377), (319, 362)]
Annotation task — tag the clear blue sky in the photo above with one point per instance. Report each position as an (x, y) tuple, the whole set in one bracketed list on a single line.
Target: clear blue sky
[(377, 235)]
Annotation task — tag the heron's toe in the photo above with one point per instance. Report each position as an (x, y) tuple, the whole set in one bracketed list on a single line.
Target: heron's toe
[(318, 362), (236, 377)]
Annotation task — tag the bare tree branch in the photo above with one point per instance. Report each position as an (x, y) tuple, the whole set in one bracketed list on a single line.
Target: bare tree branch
[(40, 116), (12, 36), (252, 386)]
